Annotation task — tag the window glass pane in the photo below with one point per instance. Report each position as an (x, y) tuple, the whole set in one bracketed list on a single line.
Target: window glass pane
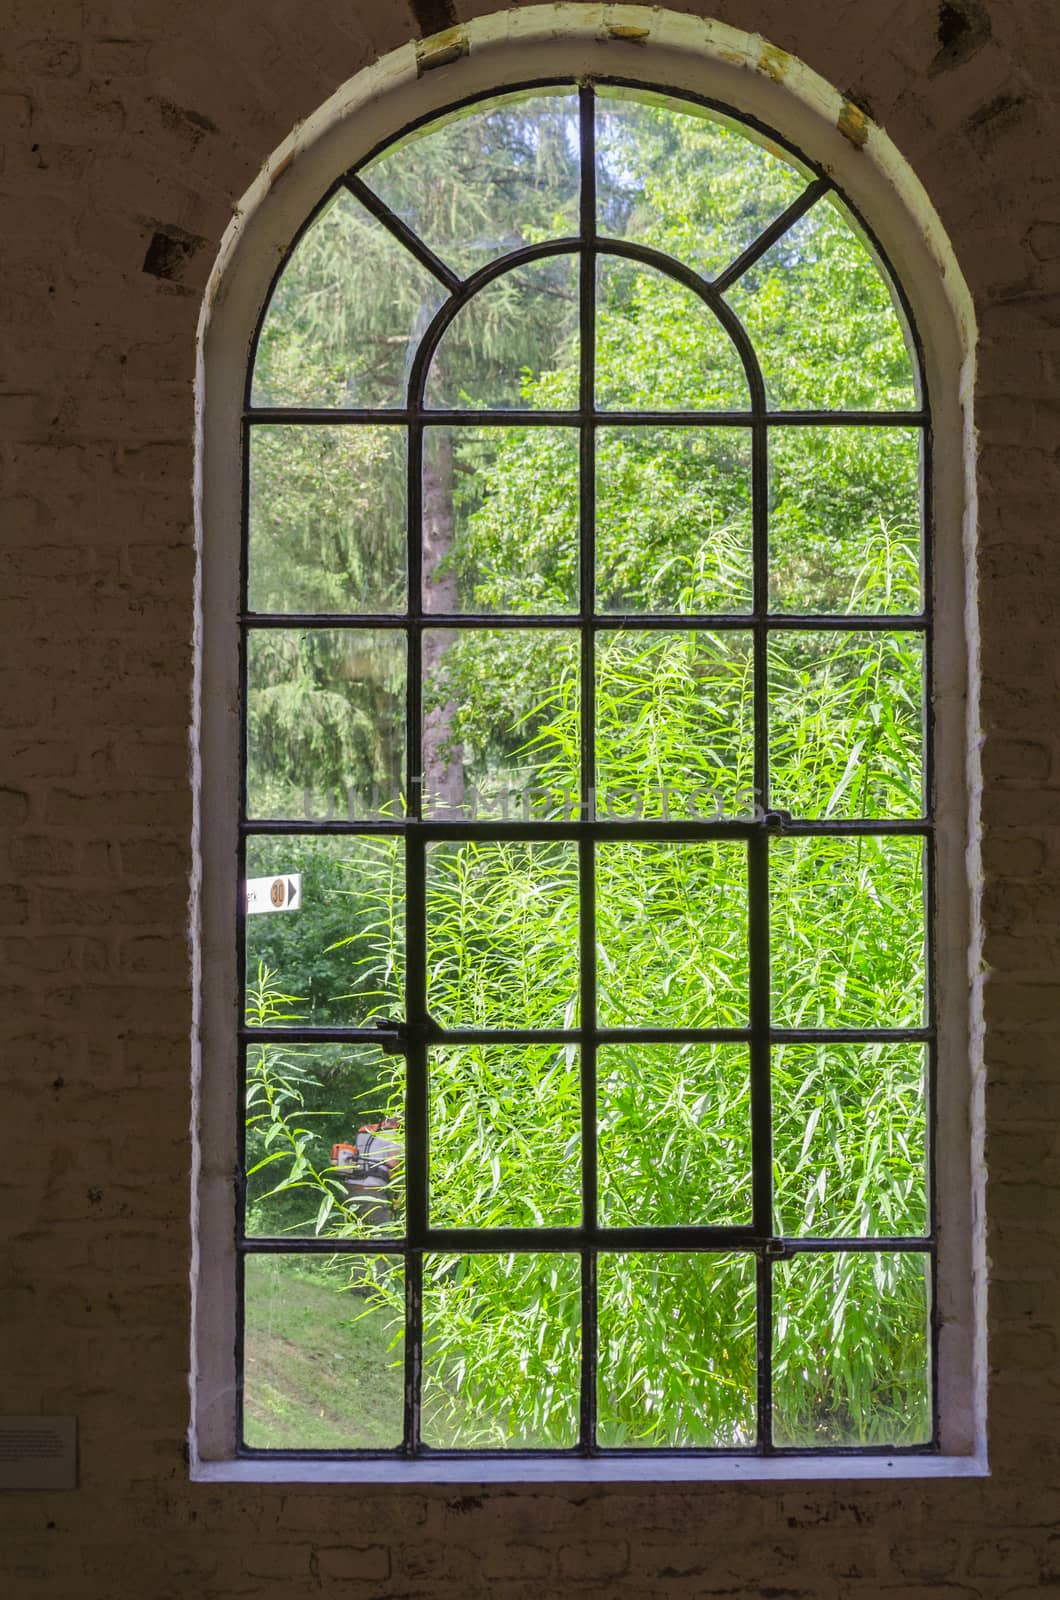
[(846, 724), (502, 935), (500, 523), (674, 725), (498, 175), (847, 932), (501, 723), (851, 1350), (673, 519), (674, 1135), (323, 1360), (671, 923), (335, 956), (325, 1141), (675, 176), (514, 347), (501, 1351), (676, 1363), (849, 1139), (844, 519), (327, 519), (325, 723), (659, 347), (328, 339), (822, 320), (505, 1137)]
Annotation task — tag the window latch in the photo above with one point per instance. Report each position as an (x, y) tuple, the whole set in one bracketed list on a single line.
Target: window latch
[(773, 1250), (395, 1037)]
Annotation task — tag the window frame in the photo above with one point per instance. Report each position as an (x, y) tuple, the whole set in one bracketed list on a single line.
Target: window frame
[(213, 1439)]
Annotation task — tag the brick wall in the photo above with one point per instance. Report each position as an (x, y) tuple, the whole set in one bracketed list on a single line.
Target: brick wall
[(127, 132)]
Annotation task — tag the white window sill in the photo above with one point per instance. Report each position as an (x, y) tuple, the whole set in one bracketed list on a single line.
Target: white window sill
[(635, 1469)]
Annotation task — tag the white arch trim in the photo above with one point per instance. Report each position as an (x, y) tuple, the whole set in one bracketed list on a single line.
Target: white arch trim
[(745, 71)]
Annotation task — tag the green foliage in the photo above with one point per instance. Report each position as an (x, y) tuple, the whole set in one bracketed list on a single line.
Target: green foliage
[(292, 1186), (343, 954), (673, 718)]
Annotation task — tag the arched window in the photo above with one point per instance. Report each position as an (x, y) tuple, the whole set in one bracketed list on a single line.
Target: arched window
[(587, 1035)]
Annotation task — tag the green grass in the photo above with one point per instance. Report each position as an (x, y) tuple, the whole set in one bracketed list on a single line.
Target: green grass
[(322, 1370)]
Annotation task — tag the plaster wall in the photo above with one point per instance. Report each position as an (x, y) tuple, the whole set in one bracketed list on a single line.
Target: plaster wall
[(127, 134)]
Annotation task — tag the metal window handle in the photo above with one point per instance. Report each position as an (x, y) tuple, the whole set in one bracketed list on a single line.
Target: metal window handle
[(775, 821), (395, 1037)]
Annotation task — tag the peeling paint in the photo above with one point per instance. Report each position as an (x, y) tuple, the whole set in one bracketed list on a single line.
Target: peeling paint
[(774, 63), (964, 28), (433, 16), (440, 49), (191, 123), (853, 124), (616, 30), (169, 252)]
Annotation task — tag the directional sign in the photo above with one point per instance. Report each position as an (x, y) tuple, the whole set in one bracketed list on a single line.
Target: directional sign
[(282, 893)]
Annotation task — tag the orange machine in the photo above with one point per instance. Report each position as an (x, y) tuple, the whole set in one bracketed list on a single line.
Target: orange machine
[(371, 1160)]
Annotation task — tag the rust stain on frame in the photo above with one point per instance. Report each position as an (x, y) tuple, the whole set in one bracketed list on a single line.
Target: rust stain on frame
[(440, 49), (281, 167), (853, 124), (774, 63)]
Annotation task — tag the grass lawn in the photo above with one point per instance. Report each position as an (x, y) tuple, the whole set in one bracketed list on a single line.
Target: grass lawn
[(322, 1371)]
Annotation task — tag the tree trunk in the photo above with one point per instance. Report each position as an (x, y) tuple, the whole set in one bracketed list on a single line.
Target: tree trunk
[(443, 757)]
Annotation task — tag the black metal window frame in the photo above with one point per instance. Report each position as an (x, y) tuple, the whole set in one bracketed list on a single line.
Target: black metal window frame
[(417, 1032)]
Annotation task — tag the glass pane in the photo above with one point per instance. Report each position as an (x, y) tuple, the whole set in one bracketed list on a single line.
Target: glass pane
[(324, 1363), (844, 519), (674, 725), (674, 1135), (659, 347), (851, 1362), (495, 176), (327, 519), (673, 519), (849, 1151), (501, 1352), (514, 347), (846, 726), (847, 930), (337, 959), (823, 322), (675, 176), (330, 338), (677, 1351), (671, 924), (325, 723), (502, 935), (324, 1140), (505, 1137), (501, 731), (500, 524)]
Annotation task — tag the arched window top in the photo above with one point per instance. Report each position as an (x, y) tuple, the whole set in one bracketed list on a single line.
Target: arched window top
[(475, 219)]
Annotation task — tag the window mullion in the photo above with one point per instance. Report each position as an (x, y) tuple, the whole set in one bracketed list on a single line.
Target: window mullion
[(758, 934), (586, 846), (416, 1084)]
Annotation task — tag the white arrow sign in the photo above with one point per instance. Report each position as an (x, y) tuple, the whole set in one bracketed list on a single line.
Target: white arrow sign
[(282, 893)]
